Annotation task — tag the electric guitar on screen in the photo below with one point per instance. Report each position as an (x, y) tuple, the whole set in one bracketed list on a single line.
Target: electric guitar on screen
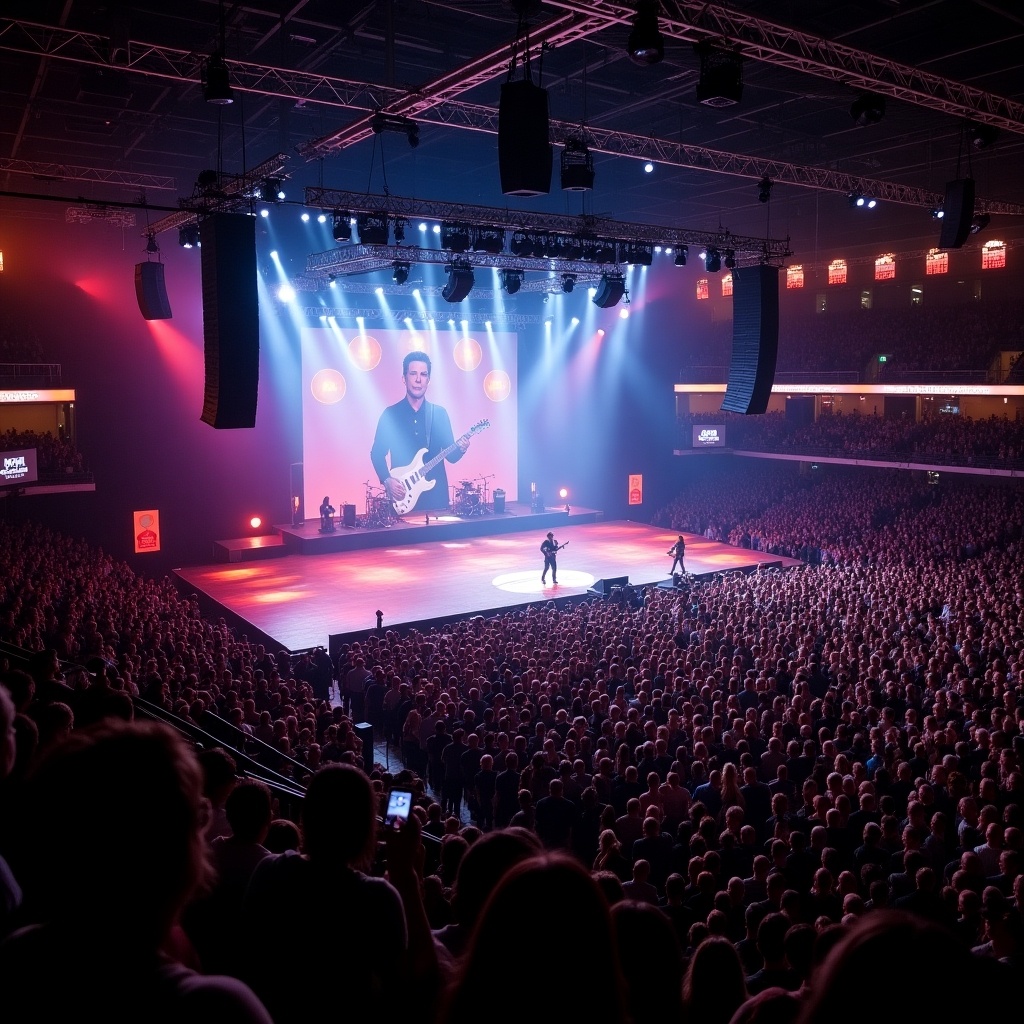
[(414, 476)]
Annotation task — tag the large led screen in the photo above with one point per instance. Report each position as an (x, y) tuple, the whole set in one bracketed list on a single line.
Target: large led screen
[(349, 379)]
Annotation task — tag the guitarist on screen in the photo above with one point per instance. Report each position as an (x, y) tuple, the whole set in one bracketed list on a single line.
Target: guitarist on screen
[(407, 427)]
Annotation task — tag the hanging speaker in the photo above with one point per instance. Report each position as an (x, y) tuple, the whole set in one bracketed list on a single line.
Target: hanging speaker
[(957, 213), (231, 320), (524, 150), (150, 291), (755, 339)]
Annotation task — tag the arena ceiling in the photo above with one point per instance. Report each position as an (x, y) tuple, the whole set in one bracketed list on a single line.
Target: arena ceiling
[(104, 101)]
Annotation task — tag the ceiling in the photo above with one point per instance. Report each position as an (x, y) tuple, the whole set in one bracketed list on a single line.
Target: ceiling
[(103, 101)]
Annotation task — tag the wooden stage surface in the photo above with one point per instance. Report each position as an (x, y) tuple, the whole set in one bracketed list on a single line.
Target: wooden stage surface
[(298, 601)]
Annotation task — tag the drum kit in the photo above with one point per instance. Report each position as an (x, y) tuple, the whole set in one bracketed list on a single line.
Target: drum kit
[(469, 499), (379, 510)]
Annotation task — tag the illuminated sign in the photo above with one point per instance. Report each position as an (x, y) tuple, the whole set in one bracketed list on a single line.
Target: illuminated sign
[(19, 467), (39, 395), (885, 267), (936, 262), (702, 288), (146, 529), (837, 272), (993, 255), (708, 436), (636, 489), (727, 284), (795, 276)]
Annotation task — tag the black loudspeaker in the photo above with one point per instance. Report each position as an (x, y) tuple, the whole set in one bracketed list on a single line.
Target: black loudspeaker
[(755, 339), (296, 492), (348, 515), (150, 291), (231, 320), (609, 291), (460, 283), (604, 587), (957, 213), (524, 150), (499, 502)]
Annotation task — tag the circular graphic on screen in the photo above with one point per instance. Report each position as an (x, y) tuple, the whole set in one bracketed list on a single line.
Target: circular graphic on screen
[(365, 351), (497, 386), (468, 354), (328, 386)]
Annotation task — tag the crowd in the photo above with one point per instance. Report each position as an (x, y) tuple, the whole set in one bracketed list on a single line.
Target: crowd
[(55, 454), (941, 439), (787, 794)]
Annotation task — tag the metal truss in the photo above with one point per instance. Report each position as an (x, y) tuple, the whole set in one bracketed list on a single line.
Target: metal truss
[(692, 21), (112, 214), (418, 316), (68, 172), (233, 193), (755, 250)]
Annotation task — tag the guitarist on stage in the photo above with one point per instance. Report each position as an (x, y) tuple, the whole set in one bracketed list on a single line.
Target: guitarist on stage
[(410, 425), (549, 548)]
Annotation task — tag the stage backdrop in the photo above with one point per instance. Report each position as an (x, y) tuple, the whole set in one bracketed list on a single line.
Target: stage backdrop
[(349, 376)]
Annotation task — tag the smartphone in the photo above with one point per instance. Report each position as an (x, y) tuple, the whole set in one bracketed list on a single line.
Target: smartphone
[(399, 805)]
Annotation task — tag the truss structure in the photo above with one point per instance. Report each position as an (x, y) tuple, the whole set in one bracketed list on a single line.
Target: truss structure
[(69, 172)]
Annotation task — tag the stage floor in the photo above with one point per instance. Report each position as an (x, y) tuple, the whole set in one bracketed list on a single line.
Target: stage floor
[(298, 601)]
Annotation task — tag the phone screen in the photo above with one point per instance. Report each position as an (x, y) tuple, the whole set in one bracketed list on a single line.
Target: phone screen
[(399, 805)]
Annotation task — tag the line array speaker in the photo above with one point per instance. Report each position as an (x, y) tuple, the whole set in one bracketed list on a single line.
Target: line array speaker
[(755, 339), (524, 149), (151, 292), (957, 213), (231, 320)]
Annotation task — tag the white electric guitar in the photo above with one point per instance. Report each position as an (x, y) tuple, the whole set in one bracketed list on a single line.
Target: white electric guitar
[(414, 476)]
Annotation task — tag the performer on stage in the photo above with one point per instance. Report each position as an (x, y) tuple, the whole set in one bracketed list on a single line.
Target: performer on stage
[(326, 515), (407, 427), (678, 550), (550, 548)]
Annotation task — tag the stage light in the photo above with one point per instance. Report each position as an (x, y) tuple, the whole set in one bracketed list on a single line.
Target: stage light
[(460, 282), (399, 229), (304, 218), (682, 255), (272, 190), (151, 246), (454, 236), (764, 189), (648, 167), (188, 236), (522, 244), (332, 280), (381, 122), (646, 44), (868, 108), (980, 222), (273, 255), (373, 228), (861, 202), (489, 240), (341, 226), (713, 261), (264, 212), (423, 227), (983, 135), (322, 219), (255, 522), (568, 282), (730, 259), (286, 293), (721, 77), (436, 229), (938, 213), (611, 289), (379, 290), (401, 272), (217, 81), (577, 166), (638, 254), (511, 280)]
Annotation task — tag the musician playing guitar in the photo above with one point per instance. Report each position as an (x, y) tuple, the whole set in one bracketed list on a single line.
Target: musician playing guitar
[(549, 548), (406, 428)]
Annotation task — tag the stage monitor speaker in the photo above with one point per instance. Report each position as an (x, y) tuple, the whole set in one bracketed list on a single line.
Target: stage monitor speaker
[(365, 732), (296, 492), (957, 213), (231, 320), (524, 149), (348, 515), (604, 587), (499, 502), (755, 339), (151, 292)]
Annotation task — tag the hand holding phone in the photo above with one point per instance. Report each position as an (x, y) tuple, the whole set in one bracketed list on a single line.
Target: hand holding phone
[(399, 806)]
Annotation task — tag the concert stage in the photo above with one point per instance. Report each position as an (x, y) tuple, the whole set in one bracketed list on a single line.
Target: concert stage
[(299, 601)]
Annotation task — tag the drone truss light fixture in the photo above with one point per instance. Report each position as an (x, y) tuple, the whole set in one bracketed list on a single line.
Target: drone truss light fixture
[(523, 244), (610, 291), (646, 44), (568, 283), (216, 81), (455, 236), (151, 246), (511, 281), (373, 228), (681, 256), (730, 259), (638, 254), (398, 226), (188, 236), (271, 190), (489, 240), (980, 222), (983, 135), (764, 189), (381, 122), (868, 108), (938, 213), (713, 260), (721, 75), (460, 282), (860, 201), (400, 271), (577, 166), (341, 226)]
